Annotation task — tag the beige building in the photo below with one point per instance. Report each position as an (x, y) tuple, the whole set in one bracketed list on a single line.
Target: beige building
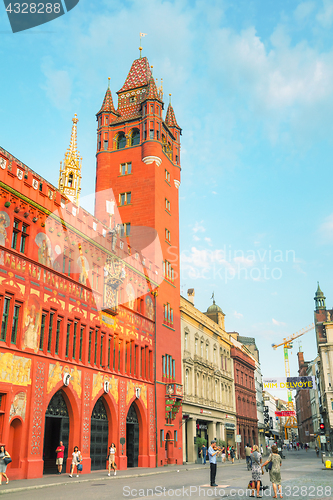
[(208, 380)]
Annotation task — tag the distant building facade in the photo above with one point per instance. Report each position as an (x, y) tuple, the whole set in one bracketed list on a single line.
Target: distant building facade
[(208, 378), (323, 319), (303, 405), (245, 393)]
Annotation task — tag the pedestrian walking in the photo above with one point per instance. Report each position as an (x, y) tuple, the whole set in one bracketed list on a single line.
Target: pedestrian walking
[(275, 472), (3, 465), (256, 470), (248, 456), (60, 456), (232, 454), (317, 451), (212, 452), (76, 461), (112, 456), (223, 454), (203, 453)]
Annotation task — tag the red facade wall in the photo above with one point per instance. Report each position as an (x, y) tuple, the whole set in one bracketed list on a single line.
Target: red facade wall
[(245, 395), (33, 280)]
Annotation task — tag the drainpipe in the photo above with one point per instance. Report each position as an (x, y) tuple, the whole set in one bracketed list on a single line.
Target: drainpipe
[(156, 436)]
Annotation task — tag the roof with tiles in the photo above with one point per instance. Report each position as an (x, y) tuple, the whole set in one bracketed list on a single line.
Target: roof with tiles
[(139, 75), (170, 118), (107, 105)]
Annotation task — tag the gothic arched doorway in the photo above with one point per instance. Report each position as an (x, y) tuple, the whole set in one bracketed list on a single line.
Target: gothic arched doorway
[(99, 435), (56, 430), (132, 437)]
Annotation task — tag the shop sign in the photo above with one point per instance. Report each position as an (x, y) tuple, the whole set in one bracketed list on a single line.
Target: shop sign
[(238, 438), (229, 426), (206, 412)]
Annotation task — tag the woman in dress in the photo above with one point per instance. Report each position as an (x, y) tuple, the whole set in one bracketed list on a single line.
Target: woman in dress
[(112, 455), (256, 470), (275, 473), (76, 460), (3, 466)]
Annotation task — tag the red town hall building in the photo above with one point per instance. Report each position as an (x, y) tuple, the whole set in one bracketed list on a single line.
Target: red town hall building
[(89, 304)]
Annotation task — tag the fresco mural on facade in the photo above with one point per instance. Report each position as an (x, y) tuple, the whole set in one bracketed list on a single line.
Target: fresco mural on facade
[(4, 223), (44, 249), (98, 384), (31, 323), (18, 406), (15, 369), (56, 373), (150, 308), (131, 391)]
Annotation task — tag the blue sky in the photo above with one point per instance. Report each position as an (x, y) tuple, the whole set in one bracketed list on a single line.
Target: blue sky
[(252, 88)]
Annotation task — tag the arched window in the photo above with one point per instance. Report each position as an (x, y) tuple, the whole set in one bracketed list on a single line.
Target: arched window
[(135, 137), (70, 180), (198, 385), (206, 351), (186, 382), (203, 386), (121, 140), (201, 349)]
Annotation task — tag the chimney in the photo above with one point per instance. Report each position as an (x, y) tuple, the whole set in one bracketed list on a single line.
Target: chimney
[(190, 295)]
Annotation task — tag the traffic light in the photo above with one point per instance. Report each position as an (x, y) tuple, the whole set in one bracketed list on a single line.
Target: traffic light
[(322, 428)]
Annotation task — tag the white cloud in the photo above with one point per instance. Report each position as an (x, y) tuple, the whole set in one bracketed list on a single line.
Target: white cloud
[(303, 11), (278, 323), (198, 227), (325, 15), (238, 315)]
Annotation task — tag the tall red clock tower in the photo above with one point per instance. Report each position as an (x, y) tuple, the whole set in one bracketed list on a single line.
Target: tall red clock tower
[(138, 157)]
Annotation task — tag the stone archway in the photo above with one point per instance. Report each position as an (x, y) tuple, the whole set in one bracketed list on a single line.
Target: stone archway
[(56, 430)]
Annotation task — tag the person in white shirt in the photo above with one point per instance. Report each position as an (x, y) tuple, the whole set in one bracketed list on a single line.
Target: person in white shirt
[(76, 460)]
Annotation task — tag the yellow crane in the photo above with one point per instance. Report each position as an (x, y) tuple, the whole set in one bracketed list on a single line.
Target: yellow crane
[(287, 343)]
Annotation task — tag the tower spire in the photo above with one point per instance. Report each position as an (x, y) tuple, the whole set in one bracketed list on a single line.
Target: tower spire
[(319, 298), (70, 170)]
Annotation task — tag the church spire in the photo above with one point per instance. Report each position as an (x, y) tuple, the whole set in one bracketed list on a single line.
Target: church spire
[(319, 299), (170, 117), (70, 169)]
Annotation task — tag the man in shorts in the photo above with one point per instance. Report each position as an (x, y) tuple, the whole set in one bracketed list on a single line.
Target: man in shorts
[(60, 456)]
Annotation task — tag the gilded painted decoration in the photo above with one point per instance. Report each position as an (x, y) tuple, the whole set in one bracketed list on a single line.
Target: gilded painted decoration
[(31, 323), (15, 369)]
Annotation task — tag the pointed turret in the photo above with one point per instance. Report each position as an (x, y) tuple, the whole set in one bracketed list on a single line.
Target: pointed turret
[(107, 106), (319, 299), (170, 118), (70, 169), (152, 92)]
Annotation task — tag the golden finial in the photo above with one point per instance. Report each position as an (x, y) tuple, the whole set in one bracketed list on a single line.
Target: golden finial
[(109, 83), (169, 98), (151, 67)]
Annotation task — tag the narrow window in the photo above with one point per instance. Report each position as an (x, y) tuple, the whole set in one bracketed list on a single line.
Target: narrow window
[(42, 332), (58, 336), (15, 323), (96, 343), (109, 353), (5, 314), (81, 342), (89, 347), (49, 340), (102, 351), (68, 333), (74, 339), (119, 353)]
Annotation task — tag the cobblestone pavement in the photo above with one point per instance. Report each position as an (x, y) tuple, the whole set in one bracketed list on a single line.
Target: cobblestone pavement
[(303, 477)]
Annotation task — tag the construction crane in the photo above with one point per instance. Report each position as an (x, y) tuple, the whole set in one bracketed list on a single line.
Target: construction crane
[(287, 343)]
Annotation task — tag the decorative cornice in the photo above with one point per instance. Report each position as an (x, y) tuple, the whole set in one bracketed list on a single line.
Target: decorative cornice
[(151, 159)]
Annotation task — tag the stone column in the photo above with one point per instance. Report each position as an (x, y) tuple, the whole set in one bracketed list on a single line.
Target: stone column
[(191, 433)]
